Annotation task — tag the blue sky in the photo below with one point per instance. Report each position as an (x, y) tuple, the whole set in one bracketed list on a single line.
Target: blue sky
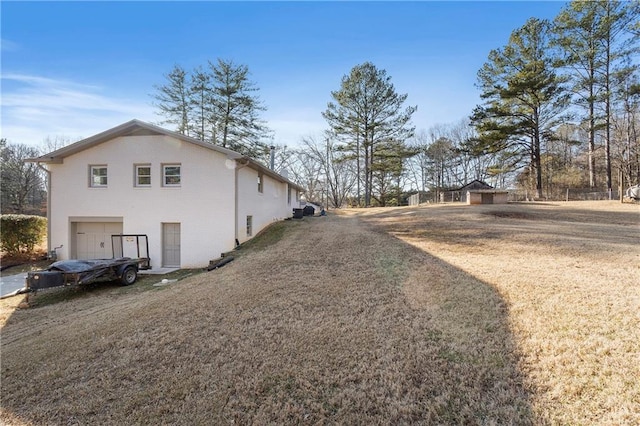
[(74, 69)]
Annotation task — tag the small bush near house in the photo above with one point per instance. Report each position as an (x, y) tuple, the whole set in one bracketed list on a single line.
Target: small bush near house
[(21, 233)]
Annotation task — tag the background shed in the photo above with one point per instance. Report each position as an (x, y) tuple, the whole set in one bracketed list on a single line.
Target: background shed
[(487, 196), (460, 194)]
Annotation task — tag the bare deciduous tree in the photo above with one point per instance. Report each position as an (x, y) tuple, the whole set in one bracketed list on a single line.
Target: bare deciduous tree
[(22, 183)]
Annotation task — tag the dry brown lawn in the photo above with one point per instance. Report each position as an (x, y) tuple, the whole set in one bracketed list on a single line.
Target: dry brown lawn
[(516, 314)]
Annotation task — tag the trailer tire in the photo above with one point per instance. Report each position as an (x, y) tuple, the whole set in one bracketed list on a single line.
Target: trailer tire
[(129, 275)]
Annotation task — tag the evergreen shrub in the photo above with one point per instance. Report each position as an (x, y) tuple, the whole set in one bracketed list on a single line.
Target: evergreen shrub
[(20, 233)]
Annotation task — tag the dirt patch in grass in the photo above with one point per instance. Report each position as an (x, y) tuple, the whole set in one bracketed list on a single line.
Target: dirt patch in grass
[(509, 215), (432, 315)]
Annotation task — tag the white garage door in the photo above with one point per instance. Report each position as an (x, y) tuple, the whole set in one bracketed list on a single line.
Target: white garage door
[(93, 239)]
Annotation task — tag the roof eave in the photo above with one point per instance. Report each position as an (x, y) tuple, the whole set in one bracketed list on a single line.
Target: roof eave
[(260, 167), (122, 130), (49, 160)]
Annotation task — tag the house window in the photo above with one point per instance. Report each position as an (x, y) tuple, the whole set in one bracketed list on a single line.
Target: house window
[(171, 175), (98, 176), (260, 182), (143, 175), (288, 195), (249, 226)]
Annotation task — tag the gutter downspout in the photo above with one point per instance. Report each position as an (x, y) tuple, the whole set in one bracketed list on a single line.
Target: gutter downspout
[(235, 190), (48, 173)]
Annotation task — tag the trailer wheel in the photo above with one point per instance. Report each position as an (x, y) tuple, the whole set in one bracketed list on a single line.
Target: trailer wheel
[(129, 275)]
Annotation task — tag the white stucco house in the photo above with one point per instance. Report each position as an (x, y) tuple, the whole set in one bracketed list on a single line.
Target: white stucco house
[(193, 200)]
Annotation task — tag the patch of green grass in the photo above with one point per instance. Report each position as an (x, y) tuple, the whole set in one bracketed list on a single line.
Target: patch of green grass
[(143, 283), (393, 268), (451, 355), (269, 236), (55, 295)]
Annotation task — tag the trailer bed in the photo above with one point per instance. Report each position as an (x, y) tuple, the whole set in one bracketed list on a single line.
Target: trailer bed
[(72, 272)]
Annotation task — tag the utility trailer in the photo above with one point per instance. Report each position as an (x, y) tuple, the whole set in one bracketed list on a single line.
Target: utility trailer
[(74, 272)]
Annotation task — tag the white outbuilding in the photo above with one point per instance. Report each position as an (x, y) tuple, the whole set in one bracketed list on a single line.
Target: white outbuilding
[(194, 200)]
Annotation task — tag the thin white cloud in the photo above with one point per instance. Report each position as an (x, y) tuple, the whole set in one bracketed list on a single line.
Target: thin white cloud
[(8, 45), (35, 107)]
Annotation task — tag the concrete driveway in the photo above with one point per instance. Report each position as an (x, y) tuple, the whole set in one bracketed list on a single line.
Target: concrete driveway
[(11, 283)]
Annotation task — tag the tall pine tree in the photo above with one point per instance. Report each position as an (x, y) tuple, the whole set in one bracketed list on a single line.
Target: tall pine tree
[(368, 116), (200, 102), (594, 38), (523, 98), (173, 100), (217, 105), (236, 106)]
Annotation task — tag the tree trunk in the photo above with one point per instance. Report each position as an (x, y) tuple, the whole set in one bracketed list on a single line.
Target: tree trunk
[(367, 172), (592, 145), (607, 77), (370, 176), (358, 165), (225, 130), (592, 124), (537, 161), (538, 166)]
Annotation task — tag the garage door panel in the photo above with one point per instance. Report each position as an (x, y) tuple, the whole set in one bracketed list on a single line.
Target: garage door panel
[(93, 239)]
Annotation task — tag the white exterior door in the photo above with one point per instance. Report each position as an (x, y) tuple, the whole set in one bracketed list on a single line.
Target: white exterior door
[(171, 245), (93, 239)]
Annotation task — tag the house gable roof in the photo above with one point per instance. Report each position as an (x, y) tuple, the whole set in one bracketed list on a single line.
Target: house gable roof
[(141, 128), (130, 128)]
